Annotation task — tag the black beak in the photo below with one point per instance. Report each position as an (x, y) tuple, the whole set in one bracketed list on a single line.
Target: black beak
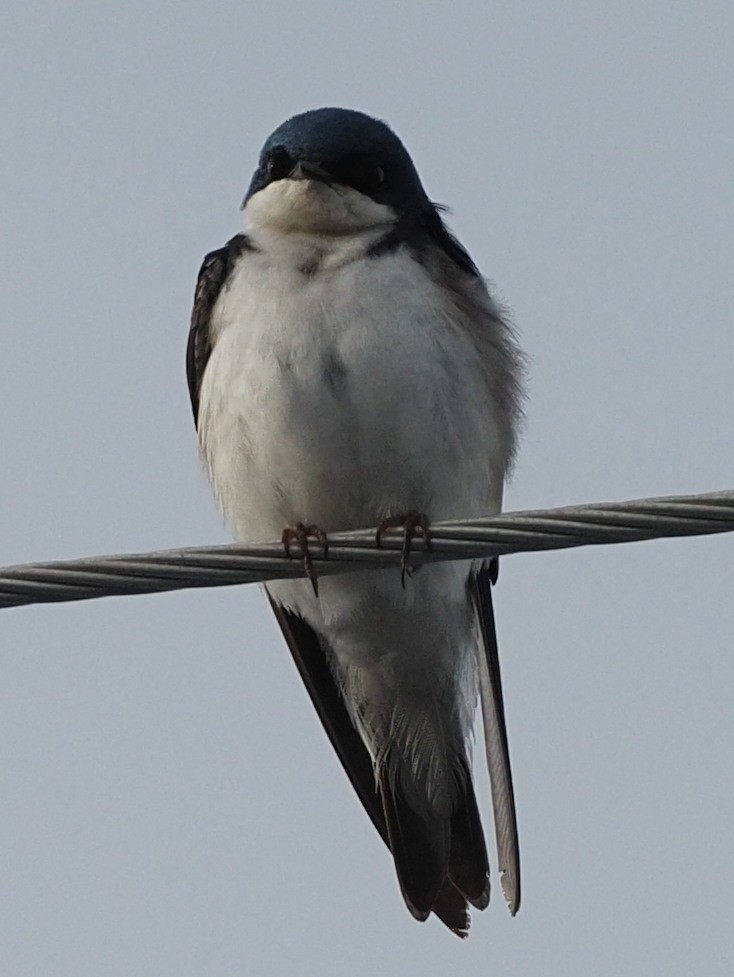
[(304, 170)]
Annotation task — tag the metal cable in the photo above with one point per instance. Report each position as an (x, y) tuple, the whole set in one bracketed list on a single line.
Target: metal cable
[(512, 532)]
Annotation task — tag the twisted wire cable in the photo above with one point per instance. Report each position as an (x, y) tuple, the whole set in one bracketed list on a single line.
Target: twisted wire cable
[(483, 538)]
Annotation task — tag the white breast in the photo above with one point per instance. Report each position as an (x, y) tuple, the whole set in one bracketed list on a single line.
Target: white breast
[(336, 393)]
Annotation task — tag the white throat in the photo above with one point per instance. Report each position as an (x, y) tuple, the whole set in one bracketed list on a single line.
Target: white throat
[(310, 206)]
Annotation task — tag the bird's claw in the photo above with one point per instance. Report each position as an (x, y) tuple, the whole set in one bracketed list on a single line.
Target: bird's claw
[(411, 523), (300, 534)]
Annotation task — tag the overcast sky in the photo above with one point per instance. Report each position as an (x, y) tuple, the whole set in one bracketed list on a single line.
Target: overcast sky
[(169, 805)]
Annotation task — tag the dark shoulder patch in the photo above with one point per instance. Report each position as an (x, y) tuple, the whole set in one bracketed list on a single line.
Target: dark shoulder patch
[(440, 235), (419, 235), (213, 276)]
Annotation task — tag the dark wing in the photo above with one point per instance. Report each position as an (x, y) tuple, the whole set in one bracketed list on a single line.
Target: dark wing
[(313, 666), (213, 276), (495, 737), (454, 250), (487, 325)]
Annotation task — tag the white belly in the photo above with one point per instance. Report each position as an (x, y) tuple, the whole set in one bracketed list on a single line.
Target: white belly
[(342, 398)]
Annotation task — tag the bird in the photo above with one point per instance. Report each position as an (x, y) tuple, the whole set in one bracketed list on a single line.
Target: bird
[(348, 367)]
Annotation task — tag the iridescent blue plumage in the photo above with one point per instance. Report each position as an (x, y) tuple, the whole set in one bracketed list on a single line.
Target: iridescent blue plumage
[(330, 136)]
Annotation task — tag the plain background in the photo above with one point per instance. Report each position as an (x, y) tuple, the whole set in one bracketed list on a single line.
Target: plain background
[(168, 802)]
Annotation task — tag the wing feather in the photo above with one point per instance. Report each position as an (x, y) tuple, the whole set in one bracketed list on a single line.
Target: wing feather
[(495, 738), (213, 276)]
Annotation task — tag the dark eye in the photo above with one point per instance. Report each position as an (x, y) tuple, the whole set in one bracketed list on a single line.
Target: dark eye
[(368, 176), (278, 164), (362, 173)]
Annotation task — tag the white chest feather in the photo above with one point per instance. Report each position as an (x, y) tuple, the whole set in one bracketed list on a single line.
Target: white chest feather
[(338, 392)]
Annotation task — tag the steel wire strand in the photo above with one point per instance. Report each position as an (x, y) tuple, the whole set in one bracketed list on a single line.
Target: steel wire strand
[(479, 538)]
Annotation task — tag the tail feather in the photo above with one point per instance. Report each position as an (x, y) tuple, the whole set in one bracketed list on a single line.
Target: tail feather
[(441, 861), (420, 846), (468, 862), (452, 909)]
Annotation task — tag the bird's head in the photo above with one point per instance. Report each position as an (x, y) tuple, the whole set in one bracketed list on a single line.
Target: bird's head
[(333, 171)]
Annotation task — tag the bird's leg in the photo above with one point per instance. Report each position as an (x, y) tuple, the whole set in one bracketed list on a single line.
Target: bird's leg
[(411, 522), (301, 533)]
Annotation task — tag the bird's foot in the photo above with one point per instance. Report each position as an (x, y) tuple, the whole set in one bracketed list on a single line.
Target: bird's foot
[(301, 534), (411, 523)]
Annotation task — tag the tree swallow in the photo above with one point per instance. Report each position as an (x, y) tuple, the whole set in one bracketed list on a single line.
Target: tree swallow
[(348, 368)]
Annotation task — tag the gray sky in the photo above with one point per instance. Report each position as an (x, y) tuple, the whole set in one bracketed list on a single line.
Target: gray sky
[(169, 804)]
